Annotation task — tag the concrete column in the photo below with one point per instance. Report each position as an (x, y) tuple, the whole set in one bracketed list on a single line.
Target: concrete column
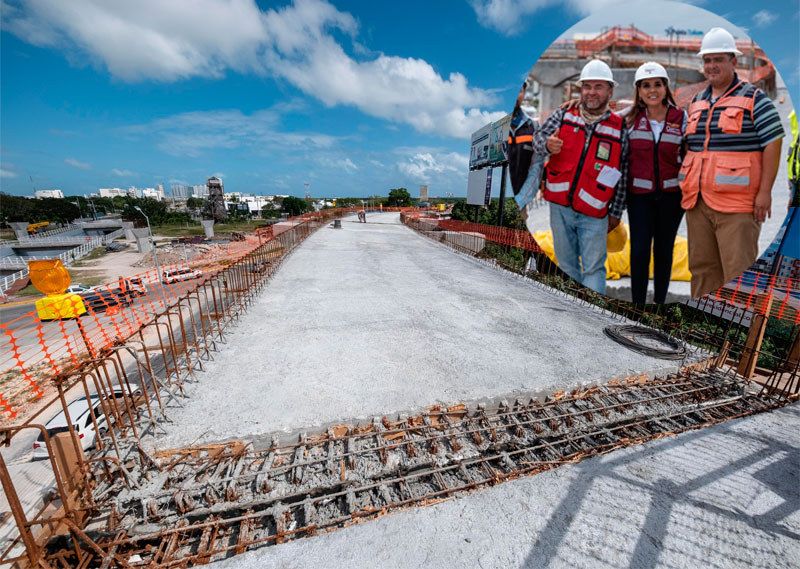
[(128, 227), (208, 225), (20, 230), (142, 236)]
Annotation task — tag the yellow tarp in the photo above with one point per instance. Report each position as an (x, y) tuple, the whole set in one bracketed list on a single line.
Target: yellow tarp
[(619, 264)]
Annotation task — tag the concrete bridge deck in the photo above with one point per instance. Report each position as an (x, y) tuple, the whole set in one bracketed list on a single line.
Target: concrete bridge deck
[(374, 319)]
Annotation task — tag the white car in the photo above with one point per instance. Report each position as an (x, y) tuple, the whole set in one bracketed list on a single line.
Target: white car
[(78, 289), (184, 274), (82, 420)]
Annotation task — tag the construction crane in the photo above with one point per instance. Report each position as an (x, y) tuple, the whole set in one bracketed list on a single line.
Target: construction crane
[(34, 228)]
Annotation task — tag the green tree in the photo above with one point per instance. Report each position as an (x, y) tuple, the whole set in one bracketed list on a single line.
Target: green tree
[(16, 208), (269, 211), (55, 210), (399, 197), (295, 206), (195, 203), (511, 215)]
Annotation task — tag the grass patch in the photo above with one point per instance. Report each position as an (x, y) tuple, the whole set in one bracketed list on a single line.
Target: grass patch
[(29, 290), (95, 253), (181, 230), (86, 278)]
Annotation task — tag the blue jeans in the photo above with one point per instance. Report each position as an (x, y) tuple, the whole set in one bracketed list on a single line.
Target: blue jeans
[(532, 182), (580, 245)]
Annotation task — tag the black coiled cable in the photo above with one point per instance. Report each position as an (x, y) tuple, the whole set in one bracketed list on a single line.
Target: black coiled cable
[(631, 337)]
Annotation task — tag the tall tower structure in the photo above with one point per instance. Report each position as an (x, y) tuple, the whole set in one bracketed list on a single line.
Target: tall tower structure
[(216, 199)]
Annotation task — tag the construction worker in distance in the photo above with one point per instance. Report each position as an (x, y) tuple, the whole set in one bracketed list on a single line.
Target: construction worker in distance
[(587, 147), (734, 138)]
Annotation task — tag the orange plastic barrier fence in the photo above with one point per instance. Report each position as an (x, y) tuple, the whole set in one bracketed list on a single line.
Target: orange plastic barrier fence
[(493, 233), (754, 291), (33, 352), (750, 291)]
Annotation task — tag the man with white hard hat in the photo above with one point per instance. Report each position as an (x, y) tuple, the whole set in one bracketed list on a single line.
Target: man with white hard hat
[(586, 146), (734, 144)]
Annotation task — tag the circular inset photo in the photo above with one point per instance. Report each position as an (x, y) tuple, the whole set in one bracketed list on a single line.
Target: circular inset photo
[(648, 161)]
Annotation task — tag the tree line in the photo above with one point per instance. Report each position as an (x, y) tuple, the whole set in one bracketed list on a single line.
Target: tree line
[(64, 210)]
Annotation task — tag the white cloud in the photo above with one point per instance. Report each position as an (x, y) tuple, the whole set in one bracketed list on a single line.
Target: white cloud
[(7, 173), (77, 164), (124, 173), (147, 38), (764, 18), (425, 164), (300, 43), (347, 164)]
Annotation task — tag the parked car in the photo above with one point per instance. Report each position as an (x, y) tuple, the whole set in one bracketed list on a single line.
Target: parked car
[(82, 419), (136, 286), (183, 274), (130, 288), (78, 289), (102, 300)]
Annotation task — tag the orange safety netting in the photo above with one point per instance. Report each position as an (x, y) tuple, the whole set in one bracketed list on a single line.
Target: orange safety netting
[(631, 38), (762, 293), (752, 291), (501, 235), (33, 352)]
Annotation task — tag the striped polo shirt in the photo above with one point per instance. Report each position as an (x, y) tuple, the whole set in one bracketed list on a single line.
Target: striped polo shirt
[(757, 132)]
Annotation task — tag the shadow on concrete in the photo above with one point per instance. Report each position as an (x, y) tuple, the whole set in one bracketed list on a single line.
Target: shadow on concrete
[(670, 501)]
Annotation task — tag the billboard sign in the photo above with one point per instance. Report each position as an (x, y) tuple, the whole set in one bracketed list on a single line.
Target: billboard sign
[(477, 184), (479, 150), (499, 136)]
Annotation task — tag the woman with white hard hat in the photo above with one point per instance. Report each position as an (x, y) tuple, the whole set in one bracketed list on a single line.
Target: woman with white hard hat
[(656, 129)]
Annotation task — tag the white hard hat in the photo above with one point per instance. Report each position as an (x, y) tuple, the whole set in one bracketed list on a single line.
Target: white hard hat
[(598, 71), (718, 40), (650, 70)]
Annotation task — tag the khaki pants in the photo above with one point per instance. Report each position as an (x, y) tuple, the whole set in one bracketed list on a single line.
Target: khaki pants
[(721, 246)]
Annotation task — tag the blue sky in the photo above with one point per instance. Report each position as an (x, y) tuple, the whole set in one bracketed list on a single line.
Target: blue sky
[(351, 97)]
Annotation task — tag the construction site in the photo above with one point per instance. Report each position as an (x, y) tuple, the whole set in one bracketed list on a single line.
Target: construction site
[(404, 392), (624, 49)]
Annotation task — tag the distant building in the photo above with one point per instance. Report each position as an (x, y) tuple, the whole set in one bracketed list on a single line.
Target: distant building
[(112, 192), (180, 192), (423, 193), (40, 194), (199, 191), (153, 193)]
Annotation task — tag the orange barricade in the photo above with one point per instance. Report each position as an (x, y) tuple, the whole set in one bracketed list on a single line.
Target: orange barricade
[(33, 352)]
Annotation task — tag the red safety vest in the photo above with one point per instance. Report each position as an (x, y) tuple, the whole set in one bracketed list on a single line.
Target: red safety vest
[(572, 173), (655, 165), (728, 180)]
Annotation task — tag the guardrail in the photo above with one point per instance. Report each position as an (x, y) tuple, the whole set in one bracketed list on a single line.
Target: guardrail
[(67, 257), (52, 232)]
